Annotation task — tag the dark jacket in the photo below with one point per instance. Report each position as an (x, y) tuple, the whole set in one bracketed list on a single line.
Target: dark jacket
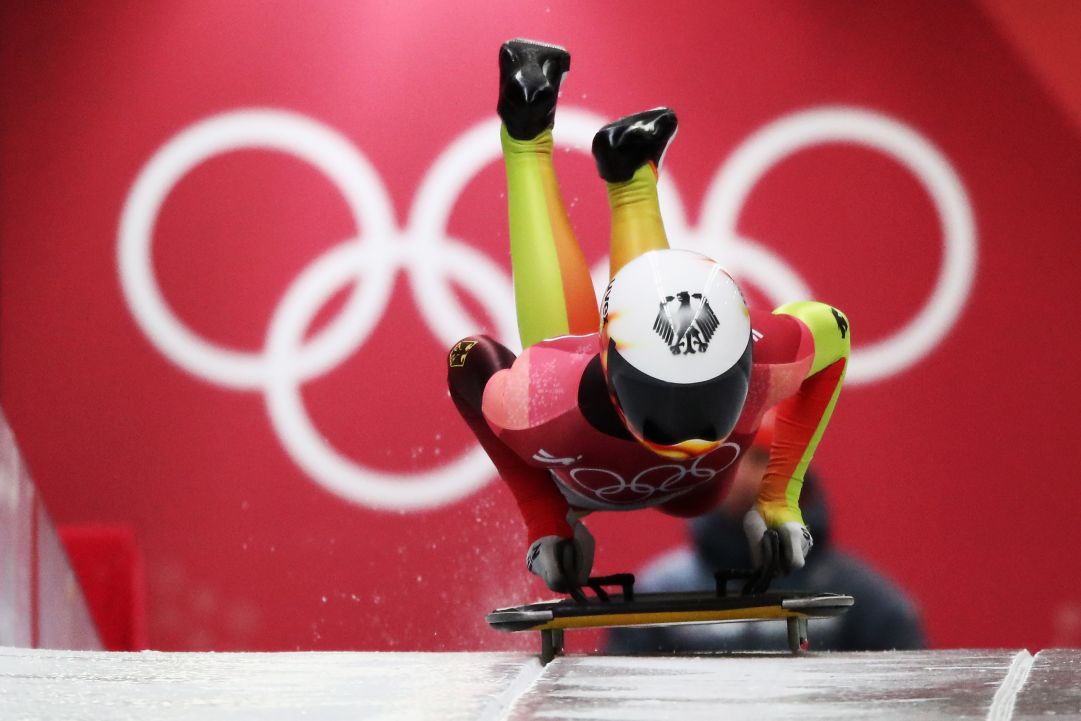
[(882, 618)]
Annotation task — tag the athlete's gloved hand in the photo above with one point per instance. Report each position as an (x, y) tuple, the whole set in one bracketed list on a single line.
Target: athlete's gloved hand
[(563, 562), (795, 540)]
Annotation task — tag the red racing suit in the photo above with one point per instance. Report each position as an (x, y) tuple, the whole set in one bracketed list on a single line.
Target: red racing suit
[(556, 440)]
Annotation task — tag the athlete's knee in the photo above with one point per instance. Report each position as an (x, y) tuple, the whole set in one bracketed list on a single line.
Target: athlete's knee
[(471, 362)]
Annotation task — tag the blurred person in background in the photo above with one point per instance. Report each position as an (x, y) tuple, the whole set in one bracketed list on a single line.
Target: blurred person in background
[(883, 618)]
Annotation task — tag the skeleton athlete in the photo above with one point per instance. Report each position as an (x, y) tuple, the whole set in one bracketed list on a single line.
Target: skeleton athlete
[(656, 408)]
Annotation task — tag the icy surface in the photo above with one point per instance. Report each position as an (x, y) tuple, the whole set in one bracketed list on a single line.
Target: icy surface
[(912, 685), (1053, 687), (96, 686), (150, 686)]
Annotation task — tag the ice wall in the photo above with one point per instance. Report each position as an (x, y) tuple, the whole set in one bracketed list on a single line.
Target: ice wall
[(41, 604)]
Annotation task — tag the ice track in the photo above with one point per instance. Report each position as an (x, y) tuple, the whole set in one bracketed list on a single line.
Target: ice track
[(92, 686)]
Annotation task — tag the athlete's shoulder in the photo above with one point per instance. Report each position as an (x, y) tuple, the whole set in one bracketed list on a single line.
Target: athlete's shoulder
[(828, 327), (779, 338), (588, 344), (541, 384)]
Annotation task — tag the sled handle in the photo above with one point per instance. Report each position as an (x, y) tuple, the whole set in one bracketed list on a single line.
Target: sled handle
[(757, 580), (567, 559), (624, 580)]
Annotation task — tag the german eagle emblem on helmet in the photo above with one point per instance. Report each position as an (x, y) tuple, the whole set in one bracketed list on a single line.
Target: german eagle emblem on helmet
[(686, 323)]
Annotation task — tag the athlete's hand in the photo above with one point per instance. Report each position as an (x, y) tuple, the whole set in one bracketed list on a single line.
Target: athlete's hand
[(563, 563), (795, 540)]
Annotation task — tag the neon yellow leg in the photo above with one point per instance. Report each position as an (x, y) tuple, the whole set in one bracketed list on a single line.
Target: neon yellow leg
[(636, 218), (553, 291)]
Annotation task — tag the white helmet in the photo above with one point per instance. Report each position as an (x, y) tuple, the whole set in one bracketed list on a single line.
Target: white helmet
[(676, 351)]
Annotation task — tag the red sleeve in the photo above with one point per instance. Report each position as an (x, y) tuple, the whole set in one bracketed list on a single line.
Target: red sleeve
[(800, 422), (543, 507)]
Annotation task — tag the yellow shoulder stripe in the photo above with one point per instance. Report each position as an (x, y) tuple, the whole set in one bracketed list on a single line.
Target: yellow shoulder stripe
[(829, 328)]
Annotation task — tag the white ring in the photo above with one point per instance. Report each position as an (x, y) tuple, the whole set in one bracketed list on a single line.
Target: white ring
[(795, 132), (290, 419), (277, 130)]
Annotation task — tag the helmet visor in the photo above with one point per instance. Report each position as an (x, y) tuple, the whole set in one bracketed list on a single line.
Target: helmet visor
[(666, 413)]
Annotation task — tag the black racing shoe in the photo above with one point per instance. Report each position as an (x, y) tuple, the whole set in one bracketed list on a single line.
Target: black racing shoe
[(529, 78), (625, 145)]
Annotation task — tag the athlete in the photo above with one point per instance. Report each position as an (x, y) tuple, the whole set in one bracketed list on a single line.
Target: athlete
[(656, 408)]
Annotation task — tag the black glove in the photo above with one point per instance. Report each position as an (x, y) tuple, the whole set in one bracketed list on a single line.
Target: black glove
[(795, 541), (563, 563)]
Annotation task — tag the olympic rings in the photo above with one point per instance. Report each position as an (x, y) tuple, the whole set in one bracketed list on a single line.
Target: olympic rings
[(373, 258), (619, 492)]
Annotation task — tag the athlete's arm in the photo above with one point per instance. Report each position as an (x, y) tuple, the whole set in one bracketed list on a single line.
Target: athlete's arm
[(543, 507), (802, 418), (473, 362)]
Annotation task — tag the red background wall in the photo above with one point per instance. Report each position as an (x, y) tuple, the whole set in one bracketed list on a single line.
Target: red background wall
[(953, 474)]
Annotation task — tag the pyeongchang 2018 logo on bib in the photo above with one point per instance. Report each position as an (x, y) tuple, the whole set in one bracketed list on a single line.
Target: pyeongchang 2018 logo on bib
[(434, 262)]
